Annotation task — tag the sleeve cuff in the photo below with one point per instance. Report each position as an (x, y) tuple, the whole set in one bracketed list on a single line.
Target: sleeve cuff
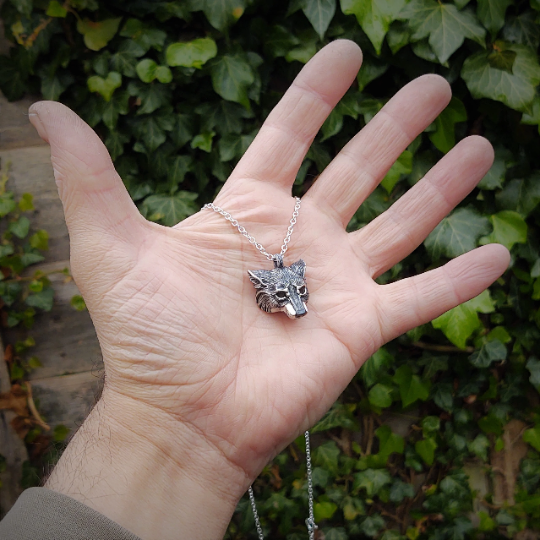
[(42, 514)]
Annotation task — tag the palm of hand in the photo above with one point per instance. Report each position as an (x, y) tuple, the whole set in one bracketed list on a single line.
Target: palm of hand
[(175, 311), (189, 338)]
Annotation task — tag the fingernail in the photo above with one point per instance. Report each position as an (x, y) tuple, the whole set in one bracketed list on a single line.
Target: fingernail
[(35, 120)]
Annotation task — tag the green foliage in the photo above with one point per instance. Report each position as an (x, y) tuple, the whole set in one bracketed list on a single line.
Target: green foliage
[(178, 90)]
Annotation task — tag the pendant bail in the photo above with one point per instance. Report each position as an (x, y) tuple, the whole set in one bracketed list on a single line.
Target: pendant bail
[(278, 260)]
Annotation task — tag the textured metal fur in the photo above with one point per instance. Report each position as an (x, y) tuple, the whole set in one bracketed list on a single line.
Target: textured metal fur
[(282, 289)]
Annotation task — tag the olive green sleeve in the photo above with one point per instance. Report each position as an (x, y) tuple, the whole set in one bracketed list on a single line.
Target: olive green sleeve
[(42, 514)]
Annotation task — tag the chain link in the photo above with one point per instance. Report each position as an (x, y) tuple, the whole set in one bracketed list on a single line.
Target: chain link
[(251, 239), (310, 521)]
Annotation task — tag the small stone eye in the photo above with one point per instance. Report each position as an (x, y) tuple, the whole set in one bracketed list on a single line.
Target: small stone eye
[(302, 290), (281, 295)]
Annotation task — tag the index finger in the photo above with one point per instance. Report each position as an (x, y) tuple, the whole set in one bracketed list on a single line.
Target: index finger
[(285, 137)]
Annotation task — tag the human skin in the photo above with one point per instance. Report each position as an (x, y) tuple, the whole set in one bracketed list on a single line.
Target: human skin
[(202, 388)]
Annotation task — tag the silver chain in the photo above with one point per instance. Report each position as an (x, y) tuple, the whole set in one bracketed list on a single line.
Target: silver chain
[(242, 229), (310, 521)]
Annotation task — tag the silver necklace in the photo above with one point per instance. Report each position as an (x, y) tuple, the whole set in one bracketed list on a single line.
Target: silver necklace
[(283, 288), (310, 521)]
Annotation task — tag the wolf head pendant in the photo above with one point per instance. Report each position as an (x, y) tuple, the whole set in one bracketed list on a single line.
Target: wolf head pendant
[(282, 289)]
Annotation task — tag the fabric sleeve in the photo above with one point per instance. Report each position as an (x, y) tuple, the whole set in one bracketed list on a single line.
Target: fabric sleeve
[(42, 514)]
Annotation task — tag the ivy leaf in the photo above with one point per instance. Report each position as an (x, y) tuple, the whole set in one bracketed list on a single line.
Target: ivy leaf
[(398, 36), (482, 303), (55, 9), (444, 25), (523, 29), (203, 141), (20, 227), (374, 17), (231, 146), (337, 533), (40, 240), (152, 96), (411, 386), (444, 136), (77, 303), (375, 366), (400, 490), (533, 365), (26, 202), (222, 13), (371, 69), (401, 167), (191, 54), (443, 396), (352, 508), (433, 364), (178, 169), (324, 510), (492, 351), (43, 300), (430, 425), (124, 59), (151, 132), (509, 228), (105, 87), (338, 416), (225, 117), (24, 7), (319, 14), (491, 13), (494, 178), (53, 86), (520, 195), (305, 50), (456, 234), (380, 395), (371, 525), (389, 442), (532, 436), (231, 78), (332, 125), (426, 450), (146, 70), (170, 209), (143, 37), (372, 480), (326, 456), (458, 324), (116, 106), (516, 89), (480, 446), (12, 79), (98, 34), (115, 142)]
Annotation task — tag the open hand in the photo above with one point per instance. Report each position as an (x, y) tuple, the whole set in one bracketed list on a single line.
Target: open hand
[(188, 354)]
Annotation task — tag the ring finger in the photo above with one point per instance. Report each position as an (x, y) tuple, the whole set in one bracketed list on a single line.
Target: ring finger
[(363, 162)]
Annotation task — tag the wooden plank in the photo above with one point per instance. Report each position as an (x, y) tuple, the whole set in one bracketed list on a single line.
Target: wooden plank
[(66, 340), (16, 131), (12, 447), (31, 172), (67, 400)]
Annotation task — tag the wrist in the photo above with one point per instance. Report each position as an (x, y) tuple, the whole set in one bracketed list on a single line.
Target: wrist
[(148, 472)]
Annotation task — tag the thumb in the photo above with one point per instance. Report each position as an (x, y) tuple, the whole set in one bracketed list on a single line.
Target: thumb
[(94, 197)]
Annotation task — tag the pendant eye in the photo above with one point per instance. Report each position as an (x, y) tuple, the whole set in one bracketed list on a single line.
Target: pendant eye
[(281, 295), (302, 290)]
